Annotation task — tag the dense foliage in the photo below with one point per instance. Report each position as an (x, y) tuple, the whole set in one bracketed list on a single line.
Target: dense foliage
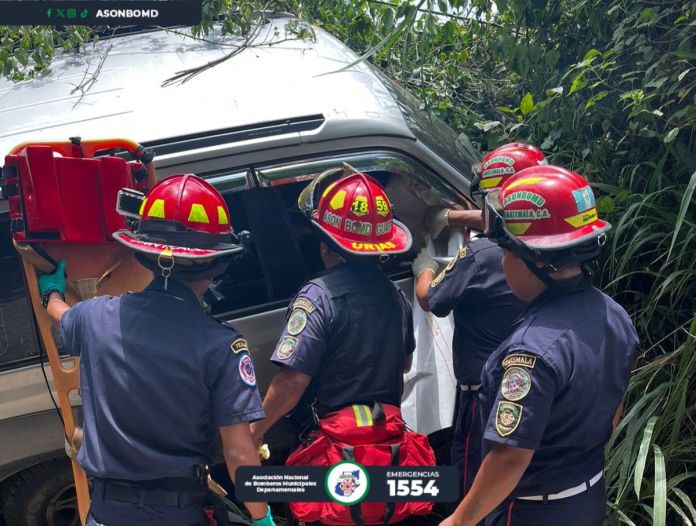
[(605, 87)]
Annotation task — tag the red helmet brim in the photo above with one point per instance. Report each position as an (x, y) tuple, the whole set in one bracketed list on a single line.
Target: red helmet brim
[(567, 240), (133, 242), (399, 242)]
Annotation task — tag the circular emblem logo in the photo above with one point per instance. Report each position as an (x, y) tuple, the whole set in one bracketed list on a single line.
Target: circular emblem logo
[(347, 483), (297, 322), (286, 346), (516, 384), (246, 370)]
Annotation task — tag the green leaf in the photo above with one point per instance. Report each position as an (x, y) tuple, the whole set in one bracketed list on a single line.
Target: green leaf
[(686, 201), (592, 53), (687, 502), (503, 109), (671, 135), (527, 103), (643, 455), (659, 515), (577, 85)]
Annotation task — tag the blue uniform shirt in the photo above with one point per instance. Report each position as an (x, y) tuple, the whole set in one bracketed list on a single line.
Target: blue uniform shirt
[(158, 377), (554, 385), (305, 338), (485, 310), (351, 338)]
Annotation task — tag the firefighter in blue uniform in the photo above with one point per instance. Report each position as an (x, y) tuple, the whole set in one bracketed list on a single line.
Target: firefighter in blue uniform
[(159, 378), (474, 288), (552, 392), (349, 331)]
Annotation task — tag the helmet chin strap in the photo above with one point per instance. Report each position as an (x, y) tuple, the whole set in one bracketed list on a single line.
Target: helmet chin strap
[(543, 273)]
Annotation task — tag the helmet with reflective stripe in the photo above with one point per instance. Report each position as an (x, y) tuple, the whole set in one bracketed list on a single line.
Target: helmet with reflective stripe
[(504, 162), (544, 211), (185, 218), (355, 213)]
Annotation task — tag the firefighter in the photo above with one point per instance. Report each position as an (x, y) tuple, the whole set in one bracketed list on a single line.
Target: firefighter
[(552, 392), (159, 378), (349, 333), (474, 288)]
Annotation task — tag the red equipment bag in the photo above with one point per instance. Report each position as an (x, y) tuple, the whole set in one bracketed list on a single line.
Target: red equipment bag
[(371, 437), (58, 193)]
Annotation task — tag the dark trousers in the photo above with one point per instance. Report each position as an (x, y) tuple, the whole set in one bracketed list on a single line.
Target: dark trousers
[(468, 436), (585, 509)]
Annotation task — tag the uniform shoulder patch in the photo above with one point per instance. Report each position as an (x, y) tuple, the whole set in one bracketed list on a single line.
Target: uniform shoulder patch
[(507, 418), (516, 384), (297, 322), (286, 347), (304, 304), (246, 370), (434, 283), (519, 360), (239, 345)]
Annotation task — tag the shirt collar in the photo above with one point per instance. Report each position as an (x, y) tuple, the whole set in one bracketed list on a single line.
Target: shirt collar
[(174, 288), (563, 288)]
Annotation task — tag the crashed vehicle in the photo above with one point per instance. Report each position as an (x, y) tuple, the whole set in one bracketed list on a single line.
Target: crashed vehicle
[(259, 126)]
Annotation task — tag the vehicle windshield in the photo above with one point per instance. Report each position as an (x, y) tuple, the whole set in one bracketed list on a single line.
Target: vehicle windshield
[(432, 131)]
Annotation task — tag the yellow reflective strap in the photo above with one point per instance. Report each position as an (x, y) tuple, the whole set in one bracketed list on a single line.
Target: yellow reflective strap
[(368, 414), (142, 207), (358, 416), (363, 415), (222, 216), (525, 180), (157, 209), (197, 214)]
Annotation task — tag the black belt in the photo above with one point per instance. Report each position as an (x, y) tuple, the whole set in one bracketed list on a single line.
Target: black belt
[(134, 492)]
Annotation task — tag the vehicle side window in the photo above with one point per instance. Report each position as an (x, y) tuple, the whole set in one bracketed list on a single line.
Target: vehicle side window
[(17, 338), (243, 285)]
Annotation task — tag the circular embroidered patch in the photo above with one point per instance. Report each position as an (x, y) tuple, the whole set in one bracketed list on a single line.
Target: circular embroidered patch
[(246, 370), (516, 384), (286, 346), (297, 322)]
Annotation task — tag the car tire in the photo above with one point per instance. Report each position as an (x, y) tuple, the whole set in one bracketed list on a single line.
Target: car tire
[(42, 495)]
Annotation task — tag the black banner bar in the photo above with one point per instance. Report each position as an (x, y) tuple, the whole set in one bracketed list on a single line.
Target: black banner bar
[(313, 484), (100, 13)]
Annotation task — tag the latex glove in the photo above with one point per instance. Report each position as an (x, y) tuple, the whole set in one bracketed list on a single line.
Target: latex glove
[(53, 282), (437, 220), (424, 262), (265, 521)]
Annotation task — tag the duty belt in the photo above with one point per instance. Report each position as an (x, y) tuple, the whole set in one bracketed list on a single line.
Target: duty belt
[(133, 492), (570, 492)]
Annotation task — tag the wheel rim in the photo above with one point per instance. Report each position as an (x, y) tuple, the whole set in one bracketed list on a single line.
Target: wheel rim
[(62, 507)]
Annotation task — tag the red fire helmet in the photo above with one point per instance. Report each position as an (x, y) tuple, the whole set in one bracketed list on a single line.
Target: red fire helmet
[(504, 162), (182, 217), (356, 214), (547, 208)]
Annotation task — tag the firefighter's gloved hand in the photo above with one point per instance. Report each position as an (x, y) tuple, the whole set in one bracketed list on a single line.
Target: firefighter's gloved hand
[(142, 154), (424, 262), (437, 220), (50, 283), (267, 520)]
